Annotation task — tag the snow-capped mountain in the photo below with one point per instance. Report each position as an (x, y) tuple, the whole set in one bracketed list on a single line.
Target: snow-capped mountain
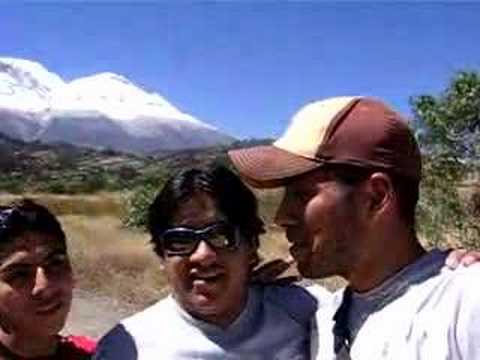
[(102, 110)]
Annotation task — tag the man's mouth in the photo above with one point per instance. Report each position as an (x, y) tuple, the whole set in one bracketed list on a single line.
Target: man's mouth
[(49, 308), (206, 276)]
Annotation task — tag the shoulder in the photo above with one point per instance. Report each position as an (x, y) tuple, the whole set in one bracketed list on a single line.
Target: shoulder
[(297, 301), (450, 292), (465, 274), (76, 347), (463, 283), (462, 300), (148, 318), (117, 344), (123, 340), (457, 282)]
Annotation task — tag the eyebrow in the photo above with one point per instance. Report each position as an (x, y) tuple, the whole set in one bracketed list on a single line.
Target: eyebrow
[(14, 267), (24, 263)]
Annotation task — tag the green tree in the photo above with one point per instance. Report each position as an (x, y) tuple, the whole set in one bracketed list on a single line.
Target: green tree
[(448, 129), (137, 201)]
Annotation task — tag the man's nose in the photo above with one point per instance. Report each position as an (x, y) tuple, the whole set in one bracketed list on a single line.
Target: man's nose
[(285, 215), (41, 281), (204, 254)]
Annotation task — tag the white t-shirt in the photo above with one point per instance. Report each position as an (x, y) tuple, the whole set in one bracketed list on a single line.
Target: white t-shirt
[(426, 311)]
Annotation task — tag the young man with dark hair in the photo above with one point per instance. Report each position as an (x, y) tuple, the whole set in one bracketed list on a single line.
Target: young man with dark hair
[(351, 169), (35, 286), (205, 228)]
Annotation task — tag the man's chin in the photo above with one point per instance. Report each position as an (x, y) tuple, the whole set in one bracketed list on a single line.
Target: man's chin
[(309, 271), (305, 269)]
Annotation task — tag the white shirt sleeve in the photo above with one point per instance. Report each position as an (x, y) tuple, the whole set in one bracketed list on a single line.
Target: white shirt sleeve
[(466, 334)]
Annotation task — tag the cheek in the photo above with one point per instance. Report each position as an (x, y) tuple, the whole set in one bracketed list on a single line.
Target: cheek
[(313, 217), (240, 269), (67, 287), (9, 300), (66, 279), (239, 265), (177, 271), (13, 308), (63, 281)]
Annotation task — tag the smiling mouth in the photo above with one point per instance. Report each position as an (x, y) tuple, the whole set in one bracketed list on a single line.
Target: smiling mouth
[(207, 277), (49, 308)]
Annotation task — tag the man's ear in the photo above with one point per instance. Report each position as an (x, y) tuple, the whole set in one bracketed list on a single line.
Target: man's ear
[(379, 188)]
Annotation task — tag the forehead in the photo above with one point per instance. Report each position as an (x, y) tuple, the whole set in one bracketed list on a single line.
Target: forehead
[(198, 210), (31, 244)]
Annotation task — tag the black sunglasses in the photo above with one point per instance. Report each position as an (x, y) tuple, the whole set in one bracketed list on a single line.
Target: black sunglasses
[(183, 240)]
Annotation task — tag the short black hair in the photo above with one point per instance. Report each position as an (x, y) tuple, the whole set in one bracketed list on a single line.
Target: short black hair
[(27, 216), (232, 198)]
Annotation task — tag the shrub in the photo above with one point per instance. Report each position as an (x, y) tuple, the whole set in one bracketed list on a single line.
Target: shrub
[(137, 201)]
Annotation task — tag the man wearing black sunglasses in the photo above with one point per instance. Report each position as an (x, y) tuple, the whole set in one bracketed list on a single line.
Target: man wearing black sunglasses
[(205, 228)]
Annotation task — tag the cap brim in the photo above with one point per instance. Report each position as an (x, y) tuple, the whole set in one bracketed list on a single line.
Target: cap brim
[(268, 166)]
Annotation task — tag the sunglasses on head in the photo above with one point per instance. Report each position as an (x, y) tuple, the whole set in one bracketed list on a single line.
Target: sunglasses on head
[(183, 240)]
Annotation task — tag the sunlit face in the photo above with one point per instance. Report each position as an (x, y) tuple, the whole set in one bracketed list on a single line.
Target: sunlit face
[(320, 218), (35, 285), (209, 284)]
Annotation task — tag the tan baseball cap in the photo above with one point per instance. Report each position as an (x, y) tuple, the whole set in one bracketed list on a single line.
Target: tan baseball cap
[(357, 131)]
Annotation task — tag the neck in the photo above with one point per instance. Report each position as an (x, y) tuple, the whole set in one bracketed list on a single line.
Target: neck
[(377, 266), (27, 346)]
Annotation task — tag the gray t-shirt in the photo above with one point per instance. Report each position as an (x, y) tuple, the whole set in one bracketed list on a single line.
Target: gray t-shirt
[(365, 303), (275, 324), (425, 311)]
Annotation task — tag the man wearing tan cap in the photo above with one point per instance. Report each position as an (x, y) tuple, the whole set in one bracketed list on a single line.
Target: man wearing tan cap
[(351, 169)]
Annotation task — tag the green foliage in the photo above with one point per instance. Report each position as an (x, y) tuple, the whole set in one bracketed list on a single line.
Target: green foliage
[(13, 184), (453, 118), (448, 130), (137, 201)]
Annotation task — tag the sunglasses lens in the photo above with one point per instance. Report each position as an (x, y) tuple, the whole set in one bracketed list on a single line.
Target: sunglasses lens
[(179, 242), (220, 241), (183, 241)]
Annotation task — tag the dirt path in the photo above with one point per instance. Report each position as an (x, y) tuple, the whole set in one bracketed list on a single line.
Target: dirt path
[(93, 315)]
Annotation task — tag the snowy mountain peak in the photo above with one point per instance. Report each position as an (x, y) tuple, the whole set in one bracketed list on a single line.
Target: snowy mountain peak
[(29, 74), (115, 96), (104, 109), (113, 80)]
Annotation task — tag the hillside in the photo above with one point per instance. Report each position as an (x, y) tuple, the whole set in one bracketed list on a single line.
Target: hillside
[(66, 168)]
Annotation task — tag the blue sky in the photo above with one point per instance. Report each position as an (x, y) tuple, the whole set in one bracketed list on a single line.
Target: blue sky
[(246, 67)]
